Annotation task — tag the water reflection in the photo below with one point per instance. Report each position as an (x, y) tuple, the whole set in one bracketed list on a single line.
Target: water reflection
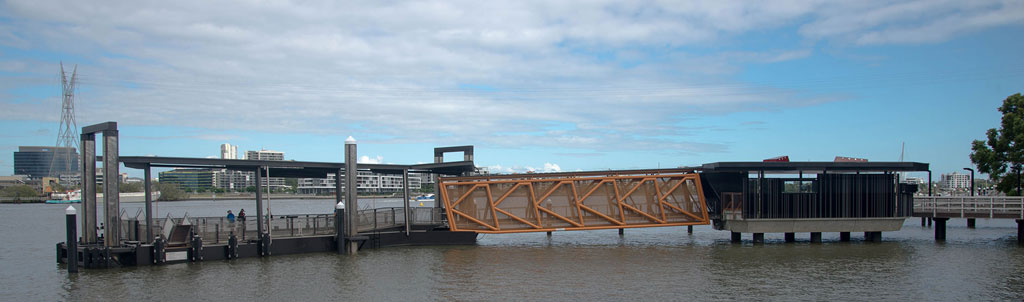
[(651, 264)]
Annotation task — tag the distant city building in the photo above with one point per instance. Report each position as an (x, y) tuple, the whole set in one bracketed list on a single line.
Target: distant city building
[(913, 180), (367, 182), (189, 179), (10, 181), (275, 182), (954, 181), (227, 151), (264, 155), (37, 161), (233, 180)]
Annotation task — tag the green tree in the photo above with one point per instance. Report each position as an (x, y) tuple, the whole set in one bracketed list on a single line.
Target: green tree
[(1001, 156), (19, 191), (427, 188), (129, 187), (170, 191)]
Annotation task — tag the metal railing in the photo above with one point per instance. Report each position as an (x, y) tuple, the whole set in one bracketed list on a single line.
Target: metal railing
[(384, 218), (968, 206), (218, 229)]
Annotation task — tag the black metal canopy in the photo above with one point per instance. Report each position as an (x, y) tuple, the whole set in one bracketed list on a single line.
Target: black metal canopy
[(290, 168), (815, 166)]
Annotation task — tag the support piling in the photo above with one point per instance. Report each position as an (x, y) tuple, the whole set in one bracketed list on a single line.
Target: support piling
[(72, 240), (940, 228)]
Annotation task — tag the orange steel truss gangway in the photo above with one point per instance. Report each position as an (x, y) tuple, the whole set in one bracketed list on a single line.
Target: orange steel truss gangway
[(574, 201)]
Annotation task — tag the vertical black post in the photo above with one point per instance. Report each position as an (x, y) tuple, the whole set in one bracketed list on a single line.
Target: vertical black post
[(72, 242), (351, 197), (758, 237), (815, 237), (339, 227), (689, 229), (929, 182), (923, 221), (259, 209), (405, 204), (790, 237), (736, 237), (149, 203), (232, 249), (844, 236), (940, 228), (622, 232), (549, 233), (970, 223), (1020, 231)]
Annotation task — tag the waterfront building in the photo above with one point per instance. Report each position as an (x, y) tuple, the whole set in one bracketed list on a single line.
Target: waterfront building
[(954, 181), (41, 161), (189, 179), (10, 181), (264, 155), (368, 182), (232, 180), (274, 182)]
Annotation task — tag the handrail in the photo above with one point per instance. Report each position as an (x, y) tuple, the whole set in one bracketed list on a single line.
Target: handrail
[(217, 229), (964, 206)]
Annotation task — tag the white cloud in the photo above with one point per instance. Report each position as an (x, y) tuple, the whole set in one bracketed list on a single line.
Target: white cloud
[(394, 69), (370, 160), (499, 169)]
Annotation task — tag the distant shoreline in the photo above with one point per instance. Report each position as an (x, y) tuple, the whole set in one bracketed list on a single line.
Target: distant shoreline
[(200, 196)]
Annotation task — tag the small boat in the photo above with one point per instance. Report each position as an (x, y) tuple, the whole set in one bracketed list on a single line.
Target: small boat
[(62, 198), (63, 201)]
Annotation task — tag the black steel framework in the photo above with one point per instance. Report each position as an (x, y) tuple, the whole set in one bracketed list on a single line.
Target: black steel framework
[(835, 189)]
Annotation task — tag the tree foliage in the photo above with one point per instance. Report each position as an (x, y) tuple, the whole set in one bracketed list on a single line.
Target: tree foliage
[(1001, 156), (170, 191), (19, 191), (130, 187)]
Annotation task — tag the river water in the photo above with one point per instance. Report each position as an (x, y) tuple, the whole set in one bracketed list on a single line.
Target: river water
[(984, 263)]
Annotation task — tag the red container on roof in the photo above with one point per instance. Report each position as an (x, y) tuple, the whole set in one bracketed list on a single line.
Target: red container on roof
[(784, 159), (844, 159)]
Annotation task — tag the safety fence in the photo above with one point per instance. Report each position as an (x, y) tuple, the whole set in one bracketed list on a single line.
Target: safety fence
[(969, 206), (218, 229)]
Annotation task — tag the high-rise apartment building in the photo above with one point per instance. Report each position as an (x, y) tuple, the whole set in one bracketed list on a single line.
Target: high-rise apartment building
[(368, 182), (264, 155), (274, 182), (955, 181), (227, 151)]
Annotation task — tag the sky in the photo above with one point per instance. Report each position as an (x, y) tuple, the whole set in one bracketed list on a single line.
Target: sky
[(534, 85)]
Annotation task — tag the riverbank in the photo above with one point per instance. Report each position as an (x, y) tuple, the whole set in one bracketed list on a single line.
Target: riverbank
[(22, 199)]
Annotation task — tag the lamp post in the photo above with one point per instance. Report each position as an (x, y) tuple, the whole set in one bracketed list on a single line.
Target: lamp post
[(972, 179), (971, 221)]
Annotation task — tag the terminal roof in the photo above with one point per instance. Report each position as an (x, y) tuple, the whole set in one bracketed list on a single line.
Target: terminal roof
[(289, 168), (815, 166)]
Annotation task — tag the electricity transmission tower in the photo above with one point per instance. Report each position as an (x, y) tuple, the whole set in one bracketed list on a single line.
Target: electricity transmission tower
[(67, 134)]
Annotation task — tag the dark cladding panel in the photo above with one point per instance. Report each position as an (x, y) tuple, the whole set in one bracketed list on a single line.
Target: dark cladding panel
[(717, 184)]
